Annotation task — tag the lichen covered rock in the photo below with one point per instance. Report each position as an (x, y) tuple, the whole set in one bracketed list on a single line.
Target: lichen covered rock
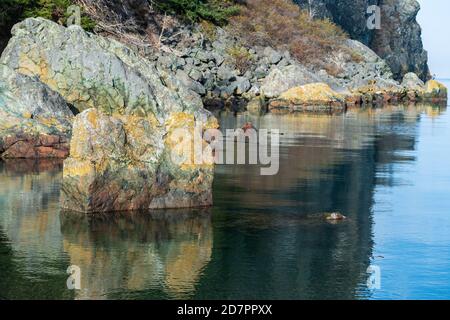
[(124, 162), (120, 149), (35, 122), (90, 71), (435, 91), (378, 92), (312, 97)]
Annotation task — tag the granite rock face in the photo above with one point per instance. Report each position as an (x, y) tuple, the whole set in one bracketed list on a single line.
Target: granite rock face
[(399, 39), (351, 74)]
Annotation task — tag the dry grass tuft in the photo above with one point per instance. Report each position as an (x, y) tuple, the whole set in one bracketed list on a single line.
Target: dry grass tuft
[(283, 25)]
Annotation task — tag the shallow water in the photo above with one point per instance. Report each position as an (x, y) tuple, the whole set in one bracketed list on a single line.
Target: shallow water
[(385, 169)]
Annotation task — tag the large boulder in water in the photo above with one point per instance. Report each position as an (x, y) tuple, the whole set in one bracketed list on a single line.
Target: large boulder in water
[(123, 162)]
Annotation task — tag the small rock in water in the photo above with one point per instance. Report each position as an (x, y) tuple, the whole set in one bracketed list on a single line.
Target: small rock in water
[(335, 216)]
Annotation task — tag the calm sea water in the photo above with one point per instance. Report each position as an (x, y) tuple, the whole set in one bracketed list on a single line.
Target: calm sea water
[(386, 169)]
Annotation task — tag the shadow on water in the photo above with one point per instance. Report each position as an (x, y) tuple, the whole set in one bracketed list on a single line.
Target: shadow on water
[(265, 237)]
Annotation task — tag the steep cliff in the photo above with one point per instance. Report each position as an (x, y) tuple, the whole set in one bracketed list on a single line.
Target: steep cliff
[(399, 39)]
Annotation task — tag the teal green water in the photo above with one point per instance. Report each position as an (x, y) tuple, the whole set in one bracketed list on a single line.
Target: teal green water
[(386, 169)]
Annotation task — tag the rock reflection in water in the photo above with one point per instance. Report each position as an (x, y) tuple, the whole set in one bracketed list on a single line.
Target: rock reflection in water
[(159, 254), (135, 252), (32, 261)]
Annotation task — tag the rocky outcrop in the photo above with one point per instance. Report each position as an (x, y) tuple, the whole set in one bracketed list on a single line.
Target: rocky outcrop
[(124, 162), (224, 72), (434, 91), (90, 71), (399, 39), (319, 97), (412, 81), (120, 152), (354, 72)]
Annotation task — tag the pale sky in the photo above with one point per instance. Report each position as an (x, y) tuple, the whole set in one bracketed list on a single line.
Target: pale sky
[(434, 18)]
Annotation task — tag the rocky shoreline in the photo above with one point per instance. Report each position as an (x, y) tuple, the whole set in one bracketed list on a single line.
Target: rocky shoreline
[(107, 110), (209, 68)]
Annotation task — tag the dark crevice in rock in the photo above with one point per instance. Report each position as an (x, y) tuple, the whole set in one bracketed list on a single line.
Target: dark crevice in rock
[(72, 108)]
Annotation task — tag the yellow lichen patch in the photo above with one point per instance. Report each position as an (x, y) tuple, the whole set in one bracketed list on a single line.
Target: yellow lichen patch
[(186, 143), (92, 118), (212, 123), (78, 143), (73, 96), (48, 121), (140, 133), (101, 166), (30, 67), (75, 168), (434, 86), (27, 66), (373, 88), (131, 121), (47, 76), (180, 120), (311, 93), (27, 115)]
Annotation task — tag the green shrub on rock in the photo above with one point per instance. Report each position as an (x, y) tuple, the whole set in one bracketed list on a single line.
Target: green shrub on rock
[(215, 11), (14, 11), (55, 10)]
